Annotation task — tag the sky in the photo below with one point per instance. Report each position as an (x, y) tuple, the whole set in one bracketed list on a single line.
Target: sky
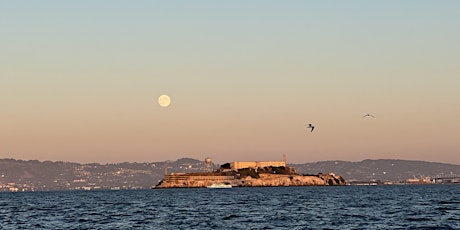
[(80, 80)]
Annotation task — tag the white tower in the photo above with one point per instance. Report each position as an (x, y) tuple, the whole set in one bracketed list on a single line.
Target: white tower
[(166, 168), (208, 162)]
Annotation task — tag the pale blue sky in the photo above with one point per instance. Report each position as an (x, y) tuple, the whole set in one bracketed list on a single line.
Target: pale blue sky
[(79, 80)]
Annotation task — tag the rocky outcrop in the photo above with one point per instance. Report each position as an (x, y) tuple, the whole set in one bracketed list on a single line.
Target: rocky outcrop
[(273, 180), (262, 180)]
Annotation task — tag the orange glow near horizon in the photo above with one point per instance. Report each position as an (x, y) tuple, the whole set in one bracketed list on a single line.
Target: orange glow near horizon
[(244, 82)]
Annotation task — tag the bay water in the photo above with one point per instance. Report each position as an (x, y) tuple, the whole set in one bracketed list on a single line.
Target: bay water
[(323, 207)]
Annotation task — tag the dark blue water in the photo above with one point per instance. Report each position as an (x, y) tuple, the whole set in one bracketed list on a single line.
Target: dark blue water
[(347, 207)]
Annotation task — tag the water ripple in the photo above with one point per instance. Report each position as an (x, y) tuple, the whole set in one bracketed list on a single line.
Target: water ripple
[(350, 207)]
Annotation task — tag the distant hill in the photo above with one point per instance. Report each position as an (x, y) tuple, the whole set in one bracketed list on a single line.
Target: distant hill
[(383, 169), (33, 175), (36, 175)]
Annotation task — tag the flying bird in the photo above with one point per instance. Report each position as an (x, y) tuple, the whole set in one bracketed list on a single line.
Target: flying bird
[(368, 115), (310, 126)]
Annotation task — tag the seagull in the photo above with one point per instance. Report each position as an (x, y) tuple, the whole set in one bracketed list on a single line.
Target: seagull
[(310, 126), (368, 115)]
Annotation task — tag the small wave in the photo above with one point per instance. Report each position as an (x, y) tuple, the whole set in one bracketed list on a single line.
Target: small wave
[(449, 202), (232, 216)]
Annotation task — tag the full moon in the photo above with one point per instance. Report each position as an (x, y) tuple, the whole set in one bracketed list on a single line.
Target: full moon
[(164, 100)]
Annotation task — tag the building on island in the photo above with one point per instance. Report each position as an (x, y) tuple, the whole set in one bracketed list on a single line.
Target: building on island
[(248, 174), (210, 176), (187, 178), (257, 164)]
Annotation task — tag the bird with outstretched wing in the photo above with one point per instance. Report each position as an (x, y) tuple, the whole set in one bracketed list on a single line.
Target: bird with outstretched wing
[(310, 126)]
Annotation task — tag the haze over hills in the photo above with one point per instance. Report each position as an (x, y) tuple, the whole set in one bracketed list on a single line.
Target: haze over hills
[(382, 169), (33, 175)]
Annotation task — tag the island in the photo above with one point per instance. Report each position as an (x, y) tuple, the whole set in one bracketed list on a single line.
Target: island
[(249, 174)]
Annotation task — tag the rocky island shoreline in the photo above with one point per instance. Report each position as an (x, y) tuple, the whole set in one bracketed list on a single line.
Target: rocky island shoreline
[(271, 176)]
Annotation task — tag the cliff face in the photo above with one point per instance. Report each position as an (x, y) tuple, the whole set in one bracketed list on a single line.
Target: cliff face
[(263, 180), (291, 180), (282, 180)]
